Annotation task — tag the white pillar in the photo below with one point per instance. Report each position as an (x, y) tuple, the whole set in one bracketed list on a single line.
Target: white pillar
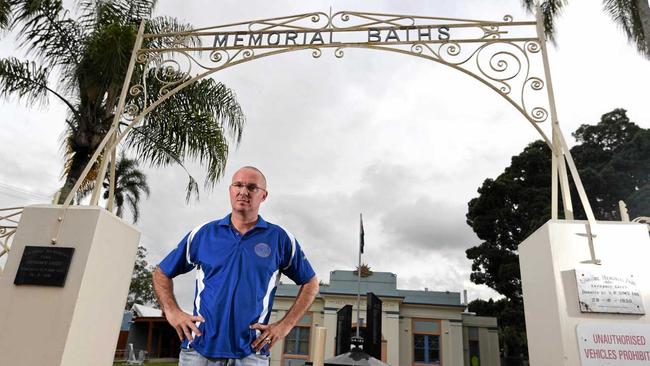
[(452, 342), (390, 330), (329, 322), (78, 324), (548, 259)]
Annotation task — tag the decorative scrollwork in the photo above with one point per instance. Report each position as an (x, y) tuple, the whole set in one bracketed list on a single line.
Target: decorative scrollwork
[(500, 54), (450, 49), (308, 21), (9, 220), (349, 20), (536, 83), (539, 114), (248, 53), (316, 52), (532, 46), (136, 89), (131, 111)]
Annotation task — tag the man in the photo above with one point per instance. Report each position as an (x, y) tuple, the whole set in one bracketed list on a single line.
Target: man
[(238, 261)]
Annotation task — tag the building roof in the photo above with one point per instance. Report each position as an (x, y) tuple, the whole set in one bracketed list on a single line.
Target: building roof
[(382, 284), (145, 311)]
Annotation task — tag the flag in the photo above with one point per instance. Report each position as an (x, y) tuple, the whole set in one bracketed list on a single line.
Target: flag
[(361, 242)]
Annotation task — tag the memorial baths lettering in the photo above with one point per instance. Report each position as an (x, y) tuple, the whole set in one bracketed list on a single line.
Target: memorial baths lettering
[(320, 38)]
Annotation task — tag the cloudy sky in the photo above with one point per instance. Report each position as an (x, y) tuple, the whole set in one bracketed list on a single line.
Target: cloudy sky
[(404, 141)]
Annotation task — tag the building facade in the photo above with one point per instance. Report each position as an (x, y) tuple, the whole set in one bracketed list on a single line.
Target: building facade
[(418, 327)]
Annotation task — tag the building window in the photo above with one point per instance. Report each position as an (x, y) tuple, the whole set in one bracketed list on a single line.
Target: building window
[(296, 344), (426, 342), (474, 350), (426, 349), (297, 341)]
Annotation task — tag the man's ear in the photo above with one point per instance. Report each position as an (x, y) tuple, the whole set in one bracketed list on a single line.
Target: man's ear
[(266, 194)]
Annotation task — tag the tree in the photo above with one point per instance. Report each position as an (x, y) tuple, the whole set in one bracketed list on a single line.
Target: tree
[(89, 55), (633, 16), (141, 288), (613, 159), (512, 327), (130, 182)]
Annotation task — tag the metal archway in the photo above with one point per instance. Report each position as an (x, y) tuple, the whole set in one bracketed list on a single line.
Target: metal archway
[(510, 57)]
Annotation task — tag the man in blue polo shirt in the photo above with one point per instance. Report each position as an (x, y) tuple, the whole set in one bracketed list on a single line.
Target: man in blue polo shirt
[(238, 261)]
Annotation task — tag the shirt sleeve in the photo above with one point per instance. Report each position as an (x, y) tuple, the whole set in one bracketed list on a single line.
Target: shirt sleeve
[(295, 264), (178, 260)]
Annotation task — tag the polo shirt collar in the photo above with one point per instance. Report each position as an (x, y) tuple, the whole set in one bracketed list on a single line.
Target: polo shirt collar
[(259, 224)]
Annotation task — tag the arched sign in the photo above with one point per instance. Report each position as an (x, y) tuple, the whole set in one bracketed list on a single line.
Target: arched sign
[(510, 57)]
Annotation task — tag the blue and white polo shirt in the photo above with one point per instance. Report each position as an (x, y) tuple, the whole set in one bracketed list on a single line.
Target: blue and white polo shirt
[(236, 279)]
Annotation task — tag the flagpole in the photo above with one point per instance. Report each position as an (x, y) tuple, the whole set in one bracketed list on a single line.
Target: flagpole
[(359, 272)]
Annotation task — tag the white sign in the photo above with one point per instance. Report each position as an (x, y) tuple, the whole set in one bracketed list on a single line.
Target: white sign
[(614, 344), (600, 291)]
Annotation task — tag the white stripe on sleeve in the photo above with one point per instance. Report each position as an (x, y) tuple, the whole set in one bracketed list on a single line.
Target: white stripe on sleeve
[(293, 247), (189, 242)]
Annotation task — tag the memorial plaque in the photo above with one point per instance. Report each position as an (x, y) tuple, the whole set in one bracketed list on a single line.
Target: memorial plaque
[(613, 344), (600, 291), (44, 266)]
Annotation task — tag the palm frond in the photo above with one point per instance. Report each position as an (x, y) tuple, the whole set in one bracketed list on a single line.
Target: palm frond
[(551, 9), (163, 24), (625, 13), (5, 14), (192, 124), (24, 79), (97, 13), (164, 153), (48, 32), (104, 63)]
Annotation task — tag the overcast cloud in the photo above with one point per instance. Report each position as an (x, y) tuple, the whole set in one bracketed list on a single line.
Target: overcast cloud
[(404, 141)]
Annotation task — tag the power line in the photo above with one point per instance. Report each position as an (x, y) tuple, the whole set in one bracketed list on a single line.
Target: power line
[(23, 192)]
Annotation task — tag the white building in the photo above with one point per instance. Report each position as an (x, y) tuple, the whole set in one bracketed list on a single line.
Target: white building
[(418, 327)]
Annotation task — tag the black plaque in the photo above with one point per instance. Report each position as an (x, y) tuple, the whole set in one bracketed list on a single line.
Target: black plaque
[(44, 266), (343, 328), (372, 340)]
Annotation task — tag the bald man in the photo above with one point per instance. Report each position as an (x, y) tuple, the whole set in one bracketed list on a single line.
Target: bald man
[(238, 261)]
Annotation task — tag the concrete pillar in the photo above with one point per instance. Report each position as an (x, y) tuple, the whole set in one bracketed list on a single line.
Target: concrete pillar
[(278, 347), (493, 357), (405, 342), (548, 260), (452, 342), (329, 322), (78, 324), (390, 330)]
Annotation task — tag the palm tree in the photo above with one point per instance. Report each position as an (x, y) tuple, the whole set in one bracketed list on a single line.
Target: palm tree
[(89, 55), (633, 16), (130, 183)]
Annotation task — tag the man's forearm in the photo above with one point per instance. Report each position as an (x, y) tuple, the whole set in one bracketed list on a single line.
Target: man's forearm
[(164, 287), (305, 298)]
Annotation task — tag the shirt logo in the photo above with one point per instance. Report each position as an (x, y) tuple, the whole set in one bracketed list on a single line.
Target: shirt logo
[(262, 250)]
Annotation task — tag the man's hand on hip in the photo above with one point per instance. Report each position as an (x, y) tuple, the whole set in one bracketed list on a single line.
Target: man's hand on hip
[(270, 334), (184, 323)]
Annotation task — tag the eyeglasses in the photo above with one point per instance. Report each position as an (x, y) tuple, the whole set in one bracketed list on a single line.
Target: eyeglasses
[(253, 188)]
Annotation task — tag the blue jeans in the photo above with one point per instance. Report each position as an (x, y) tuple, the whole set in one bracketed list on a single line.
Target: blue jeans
[(189, 357)]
